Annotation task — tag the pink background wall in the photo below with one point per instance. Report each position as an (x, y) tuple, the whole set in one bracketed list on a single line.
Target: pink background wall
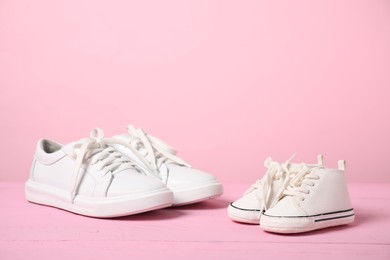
[(228, 83)]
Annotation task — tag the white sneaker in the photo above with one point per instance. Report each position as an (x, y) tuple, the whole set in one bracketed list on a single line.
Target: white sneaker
[(91, 178), (188, 185), (316, 198), (265, 192)]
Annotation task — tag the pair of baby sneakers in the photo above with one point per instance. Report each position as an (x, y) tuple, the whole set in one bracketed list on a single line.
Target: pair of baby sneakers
[(117, 176), (296, 197)]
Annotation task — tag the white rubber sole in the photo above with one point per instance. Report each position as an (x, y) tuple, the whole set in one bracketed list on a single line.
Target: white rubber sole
[(185, 196), (243, 215), (279, 224), (98, 207)]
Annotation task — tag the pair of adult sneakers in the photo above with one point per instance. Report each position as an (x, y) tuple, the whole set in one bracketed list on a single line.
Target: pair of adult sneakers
[(112, 177), (294, 198)]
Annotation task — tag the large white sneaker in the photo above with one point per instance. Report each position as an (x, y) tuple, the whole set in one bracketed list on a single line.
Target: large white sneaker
[(316, 198), (265, 192), (91, 178), (188, 185)]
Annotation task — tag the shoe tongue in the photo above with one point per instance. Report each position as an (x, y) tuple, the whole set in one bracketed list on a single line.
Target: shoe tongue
[(295, 167), (125, 137), (70, 149), (142, 150)]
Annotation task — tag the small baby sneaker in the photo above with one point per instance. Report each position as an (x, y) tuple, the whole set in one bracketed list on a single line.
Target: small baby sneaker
[(188, 185), (91, 178), (315, 198), (265, 192)]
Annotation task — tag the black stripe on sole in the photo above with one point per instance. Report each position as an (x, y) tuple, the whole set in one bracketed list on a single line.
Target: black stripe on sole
[(309, 216), (231, 204), (325, 219)]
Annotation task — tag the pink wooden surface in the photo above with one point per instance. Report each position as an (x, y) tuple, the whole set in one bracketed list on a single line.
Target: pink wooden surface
[(29, 231)]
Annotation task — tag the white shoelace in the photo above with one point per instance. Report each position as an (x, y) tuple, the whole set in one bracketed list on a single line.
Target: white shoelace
[(297, 186), (157, 152), (275, 171), (104, 157)]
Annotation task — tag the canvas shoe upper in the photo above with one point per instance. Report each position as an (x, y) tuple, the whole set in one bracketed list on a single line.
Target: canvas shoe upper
[(316, 198), (265, 192), (189, 185), (91, 178)]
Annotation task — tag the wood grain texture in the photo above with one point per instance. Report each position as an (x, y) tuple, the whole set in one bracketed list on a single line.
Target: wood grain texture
[(203, 230)]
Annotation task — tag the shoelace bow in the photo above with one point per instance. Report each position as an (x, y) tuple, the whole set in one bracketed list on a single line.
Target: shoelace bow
[(104, 157), (275, 171), (305, 177), (157, 152)]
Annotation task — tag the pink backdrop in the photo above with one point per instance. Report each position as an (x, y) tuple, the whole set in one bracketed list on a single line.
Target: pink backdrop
[(228, 83)]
